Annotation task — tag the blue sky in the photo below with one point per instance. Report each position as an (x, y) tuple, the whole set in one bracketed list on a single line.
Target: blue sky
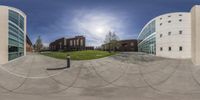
[(53, 19)]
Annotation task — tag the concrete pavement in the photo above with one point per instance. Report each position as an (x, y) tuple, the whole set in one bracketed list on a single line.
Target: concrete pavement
[(126, 76)]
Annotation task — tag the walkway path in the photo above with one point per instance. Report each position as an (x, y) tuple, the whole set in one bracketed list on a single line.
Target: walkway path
[(126, 76)]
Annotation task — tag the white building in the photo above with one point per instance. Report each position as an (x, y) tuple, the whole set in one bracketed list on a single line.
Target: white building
[(170, 35), (12, 34)]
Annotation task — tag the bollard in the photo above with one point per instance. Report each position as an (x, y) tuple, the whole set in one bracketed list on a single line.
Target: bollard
[(68, 61)]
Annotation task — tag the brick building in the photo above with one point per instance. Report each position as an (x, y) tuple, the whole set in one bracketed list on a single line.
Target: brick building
[(68, 44), (29, 46), (123, 45), (89, 48)]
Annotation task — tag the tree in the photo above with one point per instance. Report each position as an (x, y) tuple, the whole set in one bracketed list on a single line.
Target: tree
[(114, 42), (111, 40), (38, 44)]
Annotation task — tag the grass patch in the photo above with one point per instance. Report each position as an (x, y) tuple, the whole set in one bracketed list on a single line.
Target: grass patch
[(79, 55)]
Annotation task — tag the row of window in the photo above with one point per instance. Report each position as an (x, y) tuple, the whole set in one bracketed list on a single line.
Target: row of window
[(12, 56), (148, 46), (169, 33), (148, 30), (170, 48), (16, 18), (180, 20), (76, 42), (170, 16), (16, 35)]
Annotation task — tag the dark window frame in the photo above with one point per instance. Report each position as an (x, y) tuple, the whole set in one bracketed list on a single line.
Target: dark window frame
[(169, 33), (161, 48), (180, 32), (180, 48), (169, 48)]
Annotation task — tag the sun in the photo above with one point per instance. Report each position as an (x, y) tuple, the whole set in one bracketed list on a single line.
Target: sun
[(100, 30)]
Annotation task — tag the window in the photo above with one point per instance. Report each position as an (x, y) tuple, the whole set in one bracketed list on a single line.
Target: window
[(180, 20), (180, 14), (160, 18), (160, 24), (81, 42), (169, 33), (77, 42), (65, 42), (13, 49), (160, 35), (180, 32), (74, 42), (170, 48), (71, 43), (180, 48), (169, 16), (169, 21), (132, 44), (161, 49)]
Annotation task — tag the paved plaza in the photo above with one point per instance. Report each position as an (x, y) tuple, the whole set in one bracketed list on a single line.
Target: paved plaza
[(125, 76)]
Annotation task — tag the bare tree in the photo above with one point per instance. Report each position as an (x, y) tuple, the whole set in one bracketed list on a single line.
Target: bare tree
[(38, 44), (114, 41), (111, 40)]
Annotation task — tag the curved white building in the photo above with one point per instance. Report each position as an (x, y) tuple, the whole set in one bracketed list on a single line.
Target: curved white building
[(12, 34), (168, 35)]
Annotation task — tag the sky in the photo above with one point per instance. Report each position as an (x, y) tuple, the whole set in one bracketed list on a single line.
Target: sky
[(54, 19)]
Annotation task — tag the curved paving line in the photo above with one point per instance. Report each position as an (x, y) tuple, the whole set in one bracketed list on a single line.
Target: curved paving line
[(140, 75), (46, 60), (12, 62), (154, 88), (185, 93), (83, 86), (112, 82), (77, 79), (20, 85), (109, 82), (25, 78), (125, 72), (54, 92), (126, 61), (22, 76), (194, 78)]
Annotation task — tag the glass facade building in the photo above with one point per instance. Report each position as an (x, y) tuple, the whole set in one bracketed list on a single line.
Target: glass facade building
[(16, 35), (147, 38)]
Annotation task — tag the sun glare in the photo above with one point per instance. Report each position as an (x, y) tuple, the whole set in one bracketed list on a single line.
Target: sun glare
[(100, 30)]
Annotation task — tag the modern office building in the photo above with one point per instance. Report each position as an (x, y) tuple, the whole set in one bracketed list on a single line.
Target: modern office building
[(172, 35), (68, 44), (12, 34), (168, 35), (123, 45)]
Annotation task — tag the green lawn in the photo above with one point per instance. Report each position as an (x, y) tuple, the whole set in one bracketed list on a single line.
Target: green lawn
[(79, 55)]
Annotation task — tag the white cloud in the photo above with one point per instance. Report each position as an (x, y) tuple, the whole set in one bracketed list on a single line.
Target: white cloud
[(46, 44), (95, 24)]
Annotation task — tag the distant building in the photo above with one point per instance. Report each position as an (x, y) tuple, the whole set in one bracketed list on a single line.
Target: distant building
[(68, 44), (123, 45), (29, 46), (89, 48)]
